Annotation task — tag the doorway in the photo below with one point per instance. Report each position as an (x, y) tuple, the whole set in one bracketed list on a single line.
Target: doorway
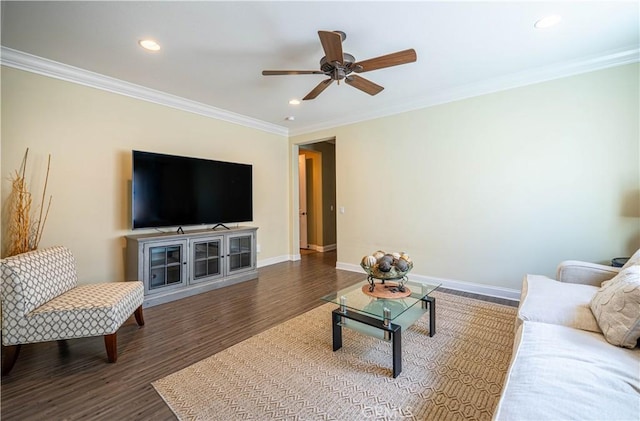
[(302, 199), (317, 197)]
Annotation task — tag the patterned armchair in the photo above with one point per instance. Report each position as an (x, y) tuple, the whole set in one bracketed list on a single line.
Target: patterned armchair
[(41, 301)]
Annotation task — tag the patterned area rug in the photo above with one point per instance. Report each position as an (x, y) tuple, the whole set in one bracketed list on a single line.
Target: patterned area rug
[(290, 371)]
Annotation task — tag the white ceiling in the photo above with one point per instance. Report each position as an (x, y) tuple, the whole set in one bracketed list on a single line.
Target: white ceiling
[(213, 52)]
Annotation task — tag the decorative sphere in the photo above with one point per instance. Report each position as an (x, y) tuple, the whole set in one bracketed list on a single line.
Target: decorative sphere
[(405, 256), (396, 256), (386, 258), (378, 254), (402, 265), (368, 261), (384, 266)]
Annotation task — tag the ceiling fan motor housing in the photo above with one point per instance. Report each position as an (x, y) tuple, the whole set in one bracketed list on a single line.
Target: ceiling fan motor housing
[(339, 70)]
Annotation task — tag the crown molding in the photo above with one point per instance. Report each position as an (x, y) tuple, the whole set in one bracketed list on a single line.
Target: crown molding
[(30, 63), (510, 81)]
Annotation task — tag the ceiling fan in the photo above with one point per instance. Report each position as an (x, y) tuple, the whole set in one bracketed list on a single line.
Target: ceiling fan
[(338, 65)]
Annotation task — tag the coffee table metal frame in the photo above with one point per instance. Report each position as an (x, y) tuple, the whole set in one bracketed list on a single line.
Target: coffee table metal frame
[(392, 331)]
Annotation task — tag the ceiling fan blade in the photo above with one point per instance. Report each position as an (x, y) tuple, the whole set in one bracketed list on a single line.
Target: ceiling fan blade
[(290, 72), (332, 45), (363, 84), (318, 89), (393, 59)]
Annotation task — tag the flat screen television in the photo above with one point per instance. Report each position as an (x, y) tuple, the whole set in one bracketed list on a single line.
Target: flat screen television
[(177, 191)]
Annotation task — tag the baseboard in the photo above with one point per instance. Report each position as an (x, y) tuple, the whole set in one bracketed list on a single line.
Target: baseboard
[(488, 290), (322, 249), (278, 259)]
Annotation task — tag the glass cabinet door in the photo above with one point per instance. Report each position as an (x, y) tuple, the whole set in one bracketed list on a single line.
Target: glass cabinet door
[(165, 265), (240, 252), (207, 259)]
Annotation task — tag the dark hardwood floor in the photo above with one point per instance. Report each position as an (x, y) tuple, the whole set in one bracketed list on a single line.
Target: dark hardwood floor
[(74, 381)]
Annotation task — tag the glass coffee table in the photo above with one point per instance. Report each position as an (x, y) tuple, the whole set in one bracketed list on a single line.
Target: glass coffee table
[(384, 318)]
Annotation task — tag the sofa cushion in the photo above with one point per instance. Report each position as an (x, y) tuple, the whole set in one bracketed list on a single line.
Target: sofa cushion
[(616, 307), (562, 373), (546, 300)]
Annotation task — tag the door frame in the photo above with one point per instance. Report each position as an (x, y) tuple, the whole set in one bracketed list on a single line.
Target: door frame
[(302, 201), (294, 211)]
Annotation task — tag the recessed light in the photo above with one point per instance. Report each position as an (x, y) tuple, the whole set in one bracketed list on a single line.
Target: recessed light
[(547, 22), (149, 44), (294, 102), (290, 118)]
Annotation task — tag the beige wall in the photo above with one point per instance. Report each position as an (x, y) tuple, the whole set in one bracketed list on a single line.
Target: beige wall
[(481, 190), (90, 135), (487, 189)]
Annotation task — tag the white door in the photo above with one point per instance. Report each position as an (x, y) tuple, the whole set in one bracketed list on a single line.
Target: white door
[(302, 183)]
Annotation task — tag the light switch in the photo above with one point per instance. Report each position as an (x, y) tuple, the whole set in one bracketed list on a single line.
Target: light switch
[(341, 209)]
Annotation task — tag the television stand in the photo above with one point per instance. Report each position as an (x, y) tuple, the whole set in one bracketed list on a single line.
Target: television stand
[(174, 266), (220, 225)]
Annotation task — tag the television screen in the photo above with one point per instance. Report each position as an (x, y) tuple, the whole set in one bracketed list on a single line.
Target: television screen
[(175, 191)]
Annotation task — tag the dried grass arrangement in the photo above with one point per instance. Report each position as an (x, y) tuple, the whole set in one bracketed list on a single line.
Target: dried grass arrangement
[(25, 232)]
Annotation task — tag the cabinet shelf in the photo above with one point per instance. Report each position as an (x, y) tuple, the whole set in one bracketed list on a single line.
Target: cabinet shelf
[(174, 266)]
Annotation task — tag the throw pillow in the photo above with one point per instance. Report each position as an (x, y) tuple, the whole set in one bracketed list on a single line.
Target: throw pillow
[(633, 260), (616, 307)]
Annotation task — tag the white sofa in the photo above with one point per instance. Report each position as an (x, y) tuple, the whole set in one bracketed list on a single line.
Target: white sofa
[(563, 367)]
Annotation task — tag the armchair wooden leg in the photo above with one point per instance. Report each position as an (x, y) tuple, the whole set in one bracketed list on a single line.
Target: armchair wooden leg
[(63, 348), (111, 343), (10, 356), (139, 317)]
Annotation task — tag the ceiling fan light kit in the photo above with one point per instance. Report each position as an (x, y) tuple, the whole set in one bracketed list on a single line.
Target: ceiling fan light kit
[(338, 65)]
